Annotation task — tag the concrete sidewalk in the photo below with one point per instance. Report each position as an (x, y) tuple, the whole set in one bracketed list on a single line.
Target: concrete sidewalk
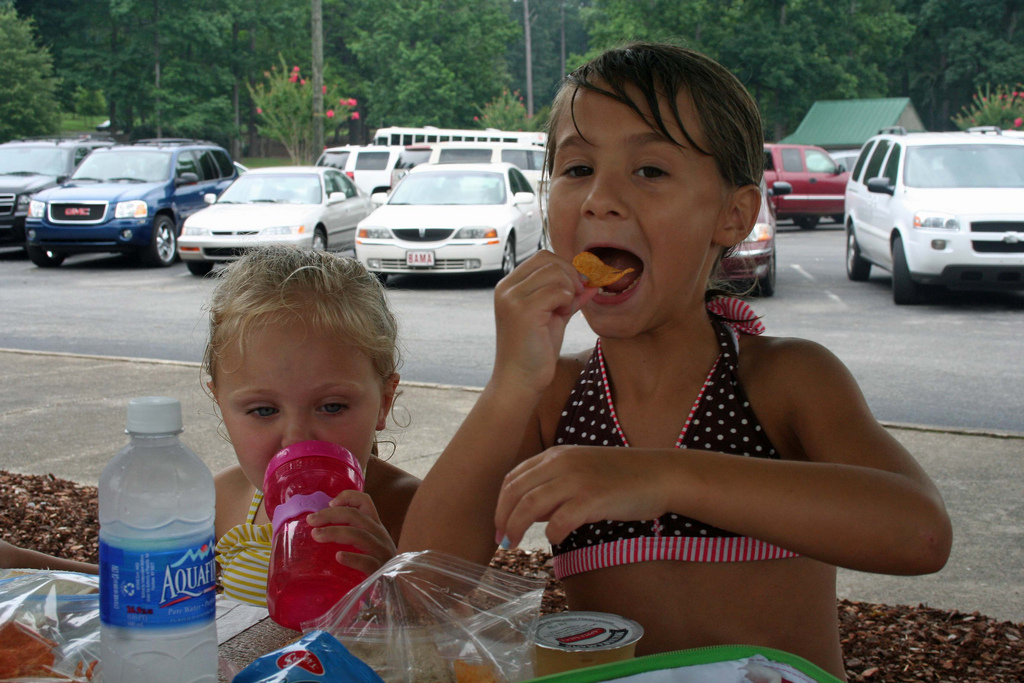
[(64, 414)]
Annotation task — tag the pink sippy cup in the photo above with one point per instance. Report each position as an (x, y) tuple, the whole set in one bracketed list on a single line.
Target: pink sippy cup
[(305, 579)]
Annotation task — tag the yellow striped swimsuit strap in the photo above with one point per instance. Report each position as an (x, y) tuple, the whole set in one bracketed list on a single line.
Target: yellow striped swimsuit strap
[(254, 506), (244, 555)]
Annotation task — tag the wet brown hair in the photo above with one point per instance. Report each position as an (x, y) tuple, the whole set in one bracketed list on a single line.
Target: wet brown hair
[(728, 115)]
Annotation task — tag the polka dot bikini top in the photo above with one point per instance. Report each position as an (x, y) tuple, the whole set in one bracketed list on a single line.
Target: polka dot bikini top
[(720, 420)]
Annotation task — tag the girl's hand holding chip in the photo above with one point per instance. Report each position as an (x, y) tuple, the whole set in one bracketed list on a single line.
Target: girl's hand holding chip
[(569, 486), (532, 307)]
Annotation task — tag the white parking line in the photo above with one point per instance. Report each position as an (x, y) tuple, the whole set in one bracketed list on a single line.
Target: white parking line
[(835, 297), (800, 270)]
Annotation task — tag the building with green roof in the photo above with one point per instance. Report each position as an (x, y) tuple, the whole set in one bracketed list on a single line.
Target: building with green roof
[(847, 124)]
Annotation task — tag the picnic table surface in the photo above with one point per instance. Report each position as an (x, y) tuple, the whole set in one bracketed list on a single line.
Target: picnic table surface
[(246, 632)]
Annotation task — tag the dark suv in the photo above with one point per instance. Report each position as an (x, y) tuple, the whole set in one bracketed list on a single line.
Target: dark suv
[(28, 166), (129, 199)]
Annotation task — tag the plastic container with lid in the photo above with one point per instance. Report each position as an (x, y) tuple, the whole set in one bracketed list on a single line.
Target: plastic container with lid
[(305, 579), (573, 640)]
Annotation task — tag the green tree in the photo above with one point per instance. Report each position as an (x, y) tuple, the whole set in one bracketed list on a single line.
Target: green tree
[(789, 53), (29, 103), (89, 102), (551, 18), (429, 62), (958, 46)]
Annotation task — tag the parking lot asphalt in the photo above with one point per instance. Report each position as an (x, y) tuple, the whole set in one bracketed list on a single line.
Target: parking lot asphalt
[(64, 414)]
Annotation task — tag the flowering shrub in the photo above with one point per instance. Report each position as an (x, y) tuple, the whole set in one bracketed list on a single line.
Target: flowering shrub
[(507, 112), (1003, 108), (284, 109)]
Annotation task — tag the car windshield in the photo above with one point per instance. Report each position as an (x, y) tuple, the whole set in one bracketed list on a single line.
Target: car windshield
[(464, 156), (147, 166), (27, 160), (458, 188), (283, 188), (333, 159), (965, 166), (412, 157)]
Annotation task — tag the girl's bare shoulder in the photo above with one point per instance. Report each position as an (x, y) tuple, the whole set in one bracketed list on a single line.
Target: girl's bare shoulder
[(384, 478), (779, 358), (234, 495), (796, 384), (391, 488)]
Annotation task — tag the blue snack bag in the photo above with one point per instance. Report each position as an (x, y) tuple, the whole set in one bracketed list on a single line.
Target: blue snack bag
[(317, 656)]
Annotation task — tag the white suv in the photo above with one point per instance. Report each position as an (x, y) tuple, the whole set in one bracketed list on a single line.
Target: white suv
[(529, 158), (938, 209), (368, 167)]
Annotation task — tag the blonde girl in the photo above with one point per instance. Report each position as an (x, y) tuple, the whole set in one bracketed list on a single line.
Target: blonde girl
[(303, 346)]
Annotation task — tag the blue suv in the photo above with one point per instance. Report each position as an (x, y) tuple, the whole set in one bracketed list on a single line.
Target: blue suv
[(128, 199)]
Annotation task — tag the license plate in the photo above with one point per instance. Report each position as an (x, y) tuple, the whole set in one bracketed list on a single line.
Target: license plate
[(419, 258)]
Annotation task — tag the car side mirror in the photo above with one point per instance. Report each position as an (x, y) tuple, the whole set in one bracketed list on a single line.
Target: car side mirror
[(186, 179), (210, 198), (335, 197), (379, 198), (779, 188), (880, 186), (523, 198)]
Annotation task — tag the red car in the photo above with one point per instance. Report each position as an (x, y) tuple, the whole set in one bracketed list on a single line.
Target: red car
[(818, 182), (750, 267)]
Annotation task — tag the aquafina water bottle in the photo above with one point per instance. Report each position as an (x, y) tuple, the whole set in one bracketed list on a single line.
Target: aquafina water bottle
[(157, 571)]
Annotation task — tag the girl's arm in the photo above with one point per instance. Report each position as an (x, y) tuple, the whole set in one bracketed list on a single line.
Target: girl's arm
[(15, 557), (850, 495), (453, 510), (454, 507)]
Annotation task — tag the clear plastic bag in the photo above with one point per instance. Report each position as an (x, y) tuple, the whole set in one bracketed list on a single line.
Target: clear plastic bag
[(49, 626), (430, 617)]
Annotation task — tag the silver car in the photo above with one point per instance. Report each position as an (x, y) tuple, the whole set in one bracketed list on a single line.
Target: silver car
[(314, 207)]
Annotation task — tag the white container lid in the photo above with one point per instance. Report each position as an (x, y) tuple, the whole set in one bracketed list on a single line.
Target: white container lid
[(586, 631), (154, 415)]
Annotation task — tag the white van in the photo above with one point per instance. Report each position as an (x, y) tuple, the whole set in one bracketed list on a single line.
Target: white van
[(529, 158), (368, 167)]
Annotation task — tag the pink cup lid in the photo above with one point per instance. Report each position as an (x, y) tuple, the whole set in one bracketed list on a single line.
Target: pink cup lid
[(319, 449)]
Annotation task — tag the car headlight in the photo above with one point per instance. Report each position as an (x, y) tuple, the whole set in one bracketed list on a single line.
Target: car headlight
[(762, 232), (284, 230), (195, 231), (476, 233), (23, 201), (36, 209), (935, 220), (133, 209), (375, 233)]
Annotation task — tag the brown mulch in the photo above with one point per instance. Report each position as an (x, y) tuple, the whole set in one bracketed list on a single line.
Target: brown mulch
[(881, 643)]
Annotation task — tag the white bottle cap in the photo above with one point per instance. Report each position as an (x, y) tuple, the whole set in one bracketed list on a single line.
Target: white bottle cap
[(154, 415)]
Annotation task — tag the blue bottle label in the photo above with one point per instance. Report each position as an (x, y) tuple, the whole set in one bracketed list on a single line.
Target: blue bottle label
[(152, 589)]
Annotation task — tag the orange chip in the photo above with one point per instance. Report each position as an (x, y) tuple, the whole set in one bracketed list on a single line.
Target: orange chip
[(473, 673), (24, 653), (597, 272)]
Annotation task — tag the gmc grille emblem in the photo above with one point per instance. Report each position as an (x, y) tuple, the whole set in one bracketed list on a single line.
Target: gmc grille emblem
[(74, 211)]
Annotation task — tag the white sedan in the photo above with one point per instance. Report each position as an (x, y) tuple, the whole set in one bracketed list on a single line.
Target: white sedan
[(303, 206), (453, 218)]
